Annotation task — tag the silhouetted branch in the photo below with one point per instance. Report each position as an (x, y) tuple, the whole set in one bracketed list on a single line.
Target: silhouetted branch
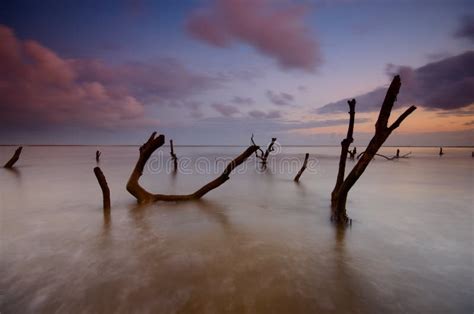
[(147, 149), (173, 156), (97, 156), (259, 150), (388, 158), (305, 162), (263, 156), (382, 132), (344, 149), (104, 187), (14, 158)]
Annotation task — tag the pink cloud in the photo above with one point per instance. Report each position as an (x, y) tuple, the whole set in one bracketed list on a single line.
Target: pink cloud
[(273, 29), (38, 87), (258, 114)]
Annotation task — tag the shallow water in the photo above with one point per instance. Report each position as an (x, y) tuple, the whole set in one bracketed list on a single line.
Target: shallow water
[(258, 244)]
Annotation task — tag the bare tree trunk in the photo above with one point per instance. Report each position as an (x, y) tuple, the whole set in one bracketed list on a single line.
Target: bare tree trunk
[(14, 158), (147, 149), (382, 132), (104, 187), (173, 157), (344, 149), (305, 162), (97, 156)]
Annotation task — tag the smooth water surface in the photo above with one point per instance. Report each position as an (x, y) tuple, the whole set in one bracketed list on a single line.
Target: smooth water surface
[(258, 244)]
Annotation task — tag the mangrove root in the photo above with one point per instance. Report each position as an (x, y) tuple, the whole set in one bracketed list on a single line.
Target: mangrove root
[(147, 149)]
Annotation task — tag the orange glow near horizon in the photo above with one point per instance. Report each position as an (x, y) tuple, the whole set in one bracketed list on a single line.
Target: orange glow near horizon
[(420, 121)]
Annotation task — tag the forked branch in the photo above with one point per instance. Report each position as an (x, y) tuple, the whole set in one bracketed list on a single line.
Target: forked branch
[(147, 149), (260, 154), (382, 132)]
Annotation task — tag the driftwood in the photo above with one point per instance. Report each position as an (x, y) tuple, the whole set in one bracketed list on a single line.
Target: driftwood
[(305, 162), (147, 149), (14, 158), (382, 132), (344, 149), (397, 156), (97, 156), (173, 156), (104, 187), (260, 154)]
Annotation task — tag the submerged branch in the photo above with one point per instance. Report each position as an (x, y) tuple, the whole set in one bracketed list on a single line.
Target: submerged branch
[(147, 149), (305, 162), (14, 158), (104, 187)]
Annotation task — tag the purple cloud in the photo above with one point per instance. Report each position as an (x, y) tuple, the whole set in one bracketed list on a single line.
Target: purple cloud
[(273, 29), (280, 99), (447, 84), (242, 100), (466, 28), (225, 110), (258, 114), (38, 87)]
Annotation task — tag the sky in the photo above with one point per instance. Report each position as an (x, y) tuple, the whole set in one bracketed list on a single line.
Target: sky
[(214, 72)]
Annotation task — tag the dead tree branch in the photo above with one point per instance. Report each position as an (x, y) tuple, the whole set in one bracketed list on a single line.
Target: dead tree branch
[(97, 156), (147, 149), (260, 154), (173, 156), (389, 158), (382, 132), (104, 187), (305, 162), (344, 149), (14, 158)]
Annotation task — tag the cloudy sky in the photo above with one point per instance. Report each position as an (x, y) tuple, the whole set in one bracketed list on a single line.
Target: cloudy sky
[(214, 72)]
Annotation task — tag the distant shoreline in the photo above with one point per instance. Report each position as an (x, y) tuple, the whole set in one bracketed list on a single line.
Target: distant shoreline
[(133, 145)]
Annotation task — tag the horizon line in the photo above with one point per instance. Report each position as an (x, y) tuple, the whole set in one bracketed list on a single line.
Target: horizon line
[(217, 145)]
